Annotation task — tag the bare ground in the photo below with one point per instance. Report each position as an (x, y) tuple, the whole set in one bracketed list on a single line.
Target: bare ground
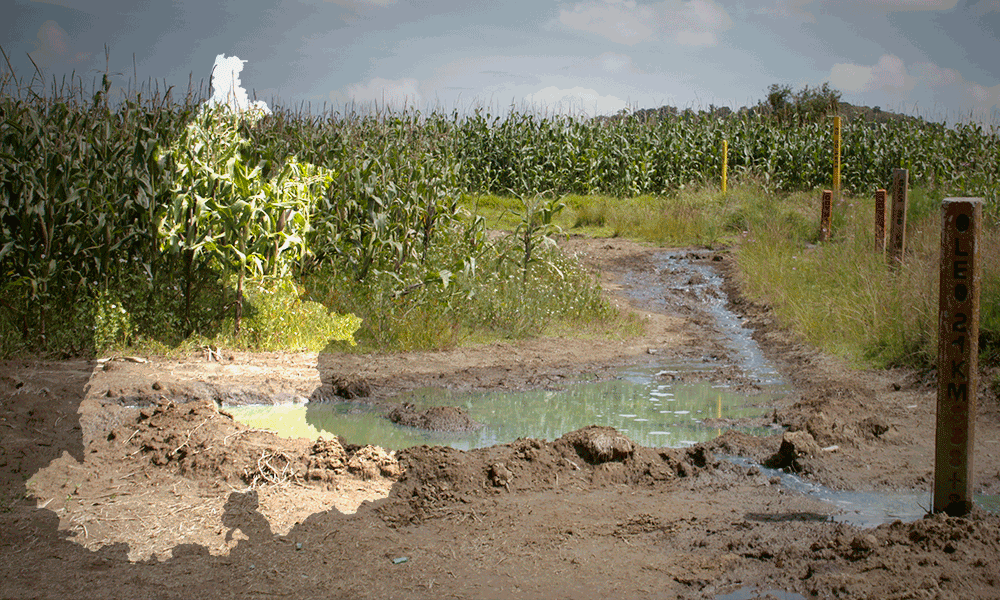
[(176, 500)]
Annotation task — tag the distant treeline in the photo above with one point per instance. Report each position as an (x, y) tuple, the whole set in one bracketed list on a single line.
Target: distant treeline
[(782, 105)]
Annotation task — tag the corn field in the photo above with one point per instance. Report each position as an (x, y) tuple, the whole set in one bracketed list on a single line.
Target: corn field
[(107, 224)]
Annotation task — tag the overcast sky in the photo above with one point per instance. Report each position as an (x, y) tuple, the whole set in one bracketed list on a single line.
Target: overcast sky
[(935, 58)]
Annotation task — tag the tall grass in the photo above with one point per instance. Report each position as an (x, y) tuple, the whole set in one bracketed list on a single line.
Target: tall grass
[(844, 297), (841, 295)]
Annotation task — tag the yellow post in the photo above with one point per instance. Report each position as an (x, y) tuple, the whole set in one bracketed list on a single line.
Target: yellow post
[(725, 163), (836, 157)]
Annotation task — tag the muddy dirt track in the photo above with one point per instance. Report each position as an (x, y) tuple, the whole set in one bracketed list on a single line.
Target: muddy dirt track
[(174, 499)]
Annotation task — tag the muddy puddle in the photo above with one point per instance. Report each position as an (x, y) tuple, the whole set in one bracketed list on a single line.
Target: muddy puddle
[(865, 509), (692, 277), (645, 404), (752, 593), (673, 404), (656, 406)]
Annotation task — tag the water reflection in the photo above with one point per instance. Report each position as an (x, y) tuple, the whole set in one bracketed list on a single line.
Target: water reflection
[(866, 509), (649, 407), (640, 404)]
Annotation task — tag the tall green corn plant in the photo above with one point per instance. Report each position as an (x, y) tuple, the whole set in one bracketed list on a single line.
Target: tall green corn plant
[(397, 183), (224, 212), (79, 182), (535, 228), (58, 227)]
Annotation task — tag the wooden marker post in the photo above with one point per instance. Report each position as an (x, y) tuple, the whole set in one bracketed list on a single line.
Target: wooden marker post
[(958, 350), (897, 226), (880, 221), (826, 216)]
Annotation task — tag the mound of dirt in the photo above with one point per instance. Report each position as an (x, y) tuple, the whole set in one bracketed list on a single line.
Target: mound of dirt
[(435, 418), (202, 442), (598, 445), (592, 457), (934, 557), (342, 387)]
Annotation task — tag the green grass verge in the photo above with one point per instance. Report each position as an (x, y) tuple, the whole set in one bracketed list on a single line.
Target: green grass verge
[(696, 217), (841, 295)]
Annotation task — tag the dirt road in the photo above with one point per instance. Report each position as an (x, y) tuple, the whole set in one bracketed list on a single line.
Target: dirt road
[(176, 500)]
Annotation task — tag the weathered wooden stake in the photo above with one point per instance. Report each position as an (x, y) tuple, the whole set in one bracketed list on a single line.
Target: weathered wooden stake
[(826, 216), (897, 227), (958, 351), (880, 221)]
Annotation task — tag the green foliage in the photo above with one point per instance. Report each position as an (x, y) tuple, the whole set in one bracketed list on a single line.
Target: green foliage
[(158, 207), (808, 105), (280, 319), (224, 212), (78, 187), (488, 297), (397, 185), (113, 324), (842, 296), (535, 229)]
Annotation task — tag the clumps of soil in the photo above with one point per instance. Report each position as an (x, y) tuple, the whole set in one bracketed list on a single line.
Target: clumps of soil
[(330, 457), (436, 479), (202, 442), (130, 394), (737, 443), (342, 388), (941, 557), (435, 418), (370, 462), (598, 445), (796, 448)]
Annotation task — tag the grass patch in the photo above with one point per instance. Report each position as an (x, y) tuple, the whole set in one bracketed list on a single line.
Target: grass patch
[(497, 300), (697, 216), (842, 296)]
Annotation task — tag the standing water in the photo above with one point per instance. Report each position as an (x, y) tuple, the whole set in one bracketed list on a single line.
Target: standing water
[(639, 403), (649, 404)]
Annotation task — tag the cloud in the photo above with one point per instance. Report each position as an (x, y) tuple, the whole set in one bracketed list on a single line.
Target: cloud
[(949, 85), (890, 79), (358, 8), (686, 22), (94, 7), (361, 4), (574, 101), (901, 5), (980, 8), (620, 21), (789, 10), (606, 63), (55, 47), (396, 93), (888, 74)]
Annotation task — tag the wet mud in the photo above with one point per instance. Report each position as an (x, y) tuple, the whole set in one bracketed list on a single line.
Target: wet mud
[(169, 497)]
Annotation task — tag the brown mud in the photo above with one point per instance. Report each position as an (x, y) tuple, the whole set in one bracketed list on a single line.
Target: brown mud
[(126, 478)]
